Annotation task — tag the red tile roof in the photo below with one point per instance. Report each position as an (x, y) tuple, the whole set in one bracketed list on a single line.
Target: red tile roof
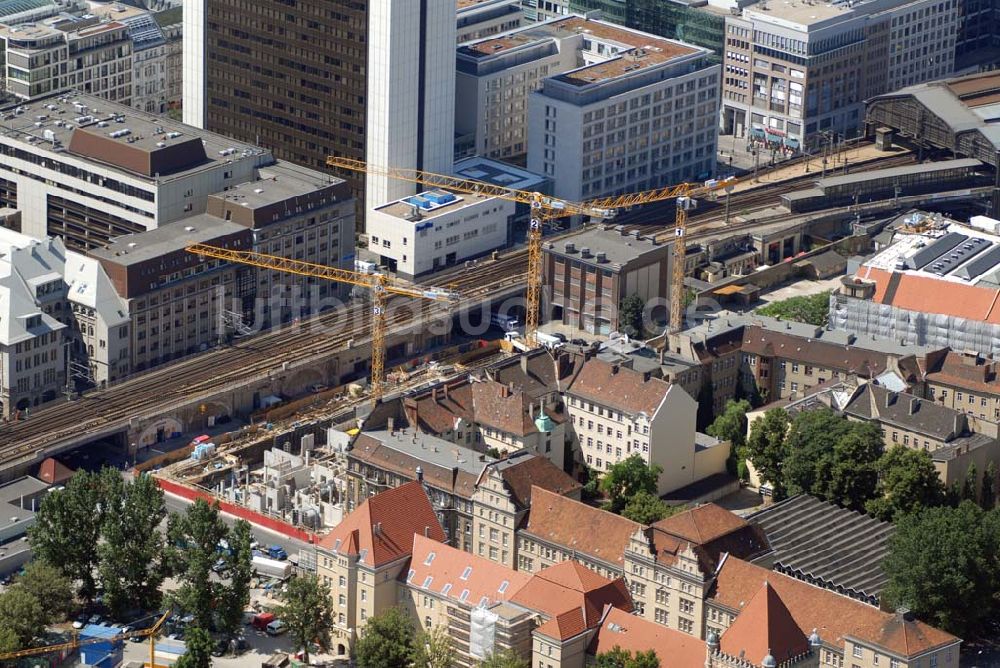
[(483, 579), (711, 531), (834, 617), (765, 626), (619, 387), (498, 406), (965, 371), (933, 295), (573, 597), (674, 648), (381, 530), (576, 526), (522, 471), (54, 472), (702, 524)]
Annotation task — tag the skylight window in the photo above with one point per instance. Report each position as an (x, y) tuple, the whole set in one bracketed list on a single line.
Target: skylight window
[(429, 559), (466, 573), (446, 589), (409, 576), (503, 586), (465, 595), (427, 581)]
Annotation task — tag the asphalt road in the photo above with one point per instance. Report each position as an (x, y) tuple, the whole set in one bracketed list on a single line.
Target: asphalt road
[(176, 504)]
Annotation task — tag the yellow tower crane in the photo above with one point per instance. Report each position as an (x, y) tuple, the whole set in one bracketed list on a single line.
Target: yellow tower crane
[(546, 208), (76, 643), (381, 287)]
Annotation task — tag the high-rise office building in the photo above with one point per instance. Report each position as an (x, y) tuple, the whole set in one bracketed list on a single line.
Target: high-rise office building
[(310, 78)]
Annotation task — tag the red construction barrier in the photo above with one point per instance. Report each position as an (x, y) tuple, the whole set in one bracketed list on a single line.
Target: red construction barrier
[(251, 516)]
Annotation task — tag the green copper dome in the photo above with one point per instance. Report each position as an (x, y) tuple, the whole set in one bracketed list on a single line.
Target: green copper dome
[(544, 423)]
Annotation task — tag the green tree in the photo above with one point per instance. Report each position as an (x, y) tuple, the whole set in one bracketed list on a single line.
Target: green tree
[(731, 425), (810, 309), (387, 642), (630, 315), (629, 477), (854, 472), (198, 646), (987, 495), (617, 657), (591, 485), (908, 482), (507, 658), (131, 568), (68, 526), (767, 450), (646, 508), (192, 551), (809, 446), (307, 610), (22, 615), (432, 649), (49, 587), (236, 596), (969, 486), (942, 565), (9, 642)]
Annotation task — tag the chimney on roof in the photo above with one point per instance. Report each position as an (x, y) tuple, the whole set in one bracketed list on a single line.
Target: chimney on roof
[(524, 363), (851, 338), (957, 427), (614, 369), (391, 425), (914, 405), (434, 394), (531, 410), (445, 391), (377, 529), (663, 354), (427, 531), (420, 473), (904, 614)]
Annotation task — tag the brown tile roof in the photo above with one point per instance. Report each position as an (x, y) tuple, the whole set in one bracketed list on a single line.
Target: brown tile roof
[(702, 524), (497, 405), (765, 626), (674, 648), (54, 472), (965, 371), (458, 480), (523, 471), (619, 387), (483, 579), (437, 410), (933, 295), (381, 530), (573, 597), (578, 527), (711, 531), (768, 343), (834, 617)]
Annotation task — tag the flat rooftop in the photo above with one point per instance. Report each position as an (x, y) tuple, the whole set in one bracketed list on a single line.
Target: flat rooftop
[(499, 173), (629, 50), (956, 253), (431, 449), (144, 246), (121, 138), (431, 204), (277, 183), (619, 248), (797, 12), (57, 26)]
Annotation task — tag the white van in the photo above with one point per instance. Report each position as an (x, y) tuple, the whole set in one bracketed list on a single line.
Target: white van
[(276, 628)]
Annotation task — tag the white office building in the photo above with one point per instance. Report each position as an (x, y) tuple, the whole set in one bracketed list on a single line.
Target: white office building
[(411, 92), (639, 112), (423, 233)]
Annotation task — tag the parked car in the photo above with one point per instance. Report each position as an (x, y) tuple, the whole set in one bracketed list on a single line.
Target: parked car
[(276, 628), (80, 621), (94, 619)]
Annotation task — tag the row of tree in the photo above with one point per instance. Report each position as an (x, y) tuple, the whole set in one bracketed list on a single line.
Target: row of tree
[(102, 534)]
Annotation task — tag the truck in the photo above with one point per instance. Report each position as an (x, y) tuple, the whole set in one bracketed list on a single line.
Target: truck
[(277, 552), (272, 567), (261, 620)]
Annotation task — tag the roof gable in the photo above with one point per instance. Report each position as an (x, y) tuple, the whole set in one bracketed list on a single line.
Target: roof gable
[(381, 530), (765, 626), (619, 387), (672, 647)]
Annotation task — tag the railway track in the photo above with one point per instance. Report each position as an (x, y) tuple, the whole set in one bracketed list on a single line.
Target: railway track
[(173, 385)]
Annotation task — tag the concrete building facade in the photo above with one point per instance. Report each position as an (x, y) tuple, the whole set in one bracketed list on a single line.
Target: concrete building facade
[(797, 77), (639, 113)]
